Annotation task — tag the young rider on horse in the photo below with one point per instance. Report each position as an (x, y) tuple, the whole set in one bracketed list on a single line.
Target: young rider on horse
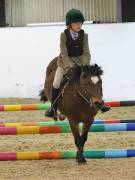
[(74, 49)]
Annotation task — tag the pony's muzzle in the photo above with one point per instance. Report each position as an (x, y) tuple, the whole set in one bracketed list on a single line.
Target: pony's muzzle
[(98, 102)]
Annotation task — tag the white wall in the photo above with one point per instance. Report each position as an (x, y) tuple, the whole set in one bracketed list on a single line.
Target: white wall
[(25, 53), (22, 12)]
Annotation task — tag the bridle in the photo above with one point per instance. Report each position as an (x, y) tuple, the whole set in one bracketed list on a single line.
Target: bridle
[(89, 102), (85, 99)]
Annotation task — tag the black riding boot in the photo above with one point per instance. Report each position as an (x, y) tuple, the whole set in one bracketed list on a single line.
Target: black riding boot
[(105, 108), (52, 111)]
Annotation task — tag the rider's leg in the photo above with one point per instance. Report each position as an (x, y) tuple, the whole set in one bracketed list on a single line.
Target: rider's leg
[(52, 112), (104, 108)]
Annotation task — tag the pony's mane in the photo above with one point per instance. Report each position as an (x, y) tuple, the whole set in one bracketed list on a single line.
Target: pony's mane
[(92, 70), (89, 70)]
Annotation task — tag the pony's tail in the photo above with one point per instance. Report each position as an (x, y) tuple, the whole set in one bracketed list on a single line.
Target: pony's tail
[(42, 96)]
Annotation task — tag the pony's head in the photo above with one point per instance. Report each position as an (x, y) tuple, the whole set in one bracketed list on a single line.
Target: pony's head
[(89, 80), (91, 83)]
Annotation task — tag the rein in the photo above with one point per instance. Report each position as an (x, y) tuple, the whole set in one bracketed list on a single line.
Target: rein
[(89, 102), (61, 93), (85, 99)]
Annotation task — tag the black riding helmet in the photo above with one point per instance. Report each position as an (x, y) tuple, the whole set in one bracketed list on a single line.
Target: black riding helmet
[(74, 15)]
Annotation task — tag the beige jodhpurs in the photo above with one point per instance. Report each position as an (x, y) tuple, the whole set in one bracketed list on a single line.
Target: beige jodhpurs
[(58, 77)]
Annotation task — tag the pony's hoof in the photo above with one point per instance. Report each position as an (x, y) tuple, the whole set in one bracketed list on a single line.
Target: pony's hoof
[(81, 161), (55, 118), (61, 117), (51, 114)]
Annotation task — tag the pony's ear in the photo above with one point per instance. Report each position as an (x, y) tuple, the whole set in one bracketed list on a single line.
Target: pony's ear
[(99, 69), (96, 66)]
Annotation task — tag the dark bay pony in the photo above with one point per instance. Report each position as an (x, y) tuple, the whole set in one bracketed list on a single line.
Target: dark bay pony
[(80, 100)]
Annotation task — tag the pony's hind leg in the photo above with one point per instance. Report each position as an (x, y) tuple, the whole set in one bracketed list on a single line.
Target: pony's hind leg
[(78, 142)]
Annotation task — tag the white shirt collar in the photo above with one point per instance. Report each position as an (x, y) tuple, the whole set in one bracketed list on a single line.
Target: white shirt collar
[(74, 34)]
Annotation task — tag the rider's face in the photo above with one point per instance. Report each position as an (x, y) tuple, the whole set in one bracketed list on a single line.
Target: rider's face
[(76, 26)]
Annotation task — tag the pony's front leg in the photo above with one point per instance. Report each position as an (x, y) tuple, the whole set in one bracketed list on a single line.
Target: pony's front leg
[(85, 130), (78, 142)]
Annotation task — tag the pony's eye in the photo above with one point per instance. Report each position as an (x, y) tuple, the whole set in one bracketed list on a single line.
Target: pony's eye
[(95, 79)]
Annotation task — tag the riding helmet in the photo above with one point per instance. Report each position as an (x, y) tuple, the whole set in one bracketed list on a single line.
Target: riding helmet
[(74, 15)]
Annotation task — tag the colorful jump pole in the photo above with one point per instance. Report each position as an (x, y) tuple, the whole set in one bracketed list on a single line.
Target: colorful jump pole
[(64, 129), (62, 123), (26, 107), (109, 153), (120, 103)]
